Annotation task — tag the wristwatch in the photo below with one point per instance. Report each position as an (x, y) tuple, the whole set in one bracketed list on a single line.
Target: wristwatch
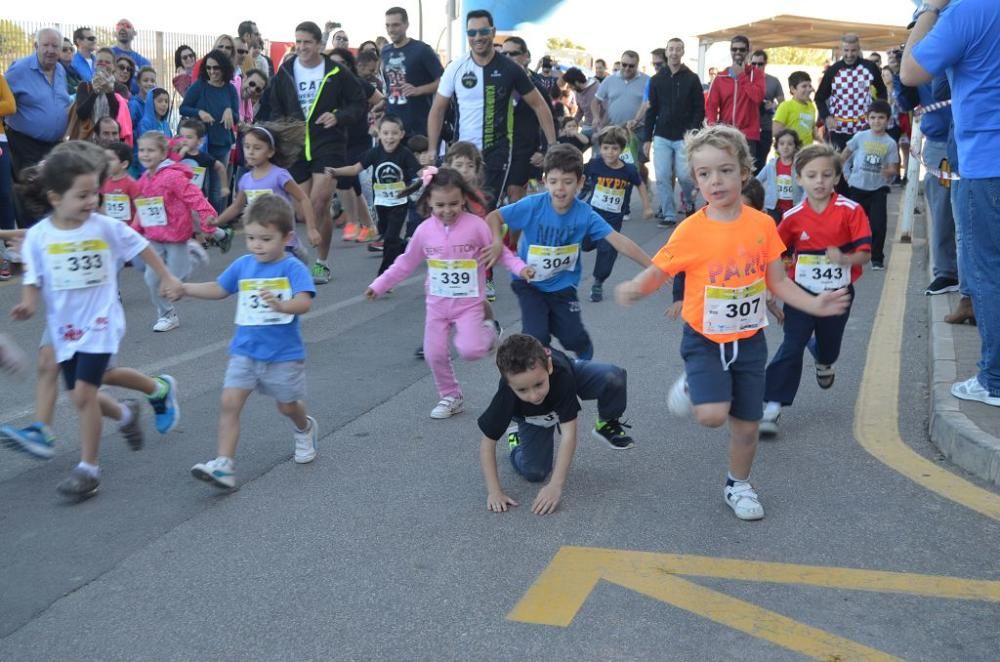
[(924, 8)]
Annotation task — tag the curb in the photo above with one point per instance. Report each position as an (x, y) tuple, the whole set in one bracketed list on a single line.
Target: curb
[(963, 442)]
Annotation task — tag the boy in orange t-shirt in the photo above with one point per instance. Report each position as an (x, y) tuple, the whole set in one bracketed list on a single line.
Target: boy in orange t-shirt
[(732, 256)]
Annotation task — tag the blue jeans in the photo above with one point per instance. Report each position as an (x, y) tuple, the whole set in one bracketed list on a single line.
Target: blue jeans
[(964, 274), (669, 160), (606, 383), (943, 252), (6, 190), (785, 370), (606, 253), (979, 200)]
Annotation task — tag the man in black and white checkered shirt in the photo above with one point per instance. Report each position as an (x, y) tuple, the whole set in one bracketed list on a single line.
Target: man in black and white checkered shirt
[(845, 92)]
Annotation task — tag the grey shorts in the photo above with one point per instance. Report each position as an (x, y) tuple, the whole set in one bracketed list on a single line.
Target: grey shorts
[(285, 381), (742, 385)]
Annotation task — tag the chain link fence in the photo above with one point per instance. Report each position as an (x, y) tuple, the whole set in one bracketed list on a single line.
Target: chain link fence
[(17, 39)]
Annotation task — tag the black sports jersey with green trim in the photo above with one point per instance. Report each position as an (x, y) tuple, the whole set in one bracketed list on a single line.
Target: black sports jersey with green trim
[(485, 99)]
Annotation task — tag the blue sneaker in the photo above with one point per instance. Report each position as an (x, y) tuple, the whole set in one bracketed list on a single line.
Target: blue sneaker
[(36, 440), (168, 413)]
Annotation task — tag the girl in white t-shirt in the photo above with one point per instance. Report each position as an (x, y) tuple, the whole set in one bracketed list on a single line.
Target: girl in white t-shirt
[(73, 257)]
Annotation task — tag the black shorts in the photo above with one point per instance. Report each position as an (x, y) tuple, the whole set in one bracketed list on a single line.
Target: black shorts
[(521, 171), (496, 166), (327, 157), (89, 368), (354, 154)]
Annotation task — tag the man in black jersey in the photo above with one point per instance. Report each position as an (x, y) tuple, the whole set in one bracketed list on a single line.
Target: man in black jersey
[(529, 141), (483, 84)]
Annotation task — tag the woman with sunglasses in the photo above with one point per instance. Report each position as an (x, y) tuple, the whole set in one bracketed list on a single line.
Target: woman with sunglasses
[(66, 54), (184, 61), (125, 72), (214, 100)]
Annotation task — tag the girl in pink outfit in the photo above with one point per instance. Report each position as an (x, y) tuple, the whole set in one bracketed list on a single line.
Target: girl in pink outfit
[(450, 241), (167, 208)]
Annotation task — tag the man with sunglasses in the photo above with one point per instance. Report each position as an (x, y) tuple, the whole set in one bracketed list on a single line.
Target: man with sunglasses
[(125, 32), (844, 94), (619, 97), (773, 95), (412, 70), (529, 141), (735, 94), (84, 61), (483, 84)]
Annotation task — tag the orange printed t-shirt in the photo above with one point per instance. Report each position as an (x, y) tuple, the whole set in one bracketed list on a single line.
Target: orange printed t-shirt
[(726, 254)]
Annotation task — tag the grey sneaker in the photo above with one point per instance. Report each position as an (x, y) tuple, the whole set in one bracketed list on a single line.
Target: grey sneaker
[(133, 431), (79, 484)]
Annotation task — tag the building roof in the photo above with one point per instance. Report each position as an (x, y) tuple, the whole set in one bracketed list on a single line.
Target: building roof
[(805, 32)]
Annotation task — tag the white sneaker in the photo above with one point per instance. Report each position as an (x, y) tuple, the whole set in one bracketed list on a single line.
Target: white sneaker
[(495, 327), (199, 256), (305, 442), (678, 400), (741, 497), (448, 407), (220, 472), (169, 322), (972, 390), (769, 422)]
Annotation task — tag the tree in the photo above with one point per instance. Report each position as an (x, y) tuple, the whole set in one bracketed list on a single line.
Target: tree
[(556, 43), (795, 55), (15, 43)]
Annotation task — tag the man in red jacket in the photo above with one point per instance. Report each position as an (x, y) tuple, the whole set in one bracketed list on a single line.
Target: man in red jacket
[(736, 94)]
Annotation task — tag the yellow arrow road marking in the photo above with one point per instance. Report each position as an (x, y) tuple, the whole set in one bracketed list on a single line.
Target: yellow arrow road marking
[(560, 591)]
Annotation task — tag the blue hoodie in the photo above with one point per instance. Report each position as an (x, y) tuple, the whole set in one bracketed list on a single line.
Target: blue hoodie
[(148, 122)]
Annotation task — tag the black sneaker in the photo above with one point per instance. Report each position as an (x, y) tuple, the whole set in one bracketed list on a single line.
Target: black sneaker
[(419, 354), (597, 292), (878, 266), (613, 433), (79, 484), (666, 223), (942, 285)]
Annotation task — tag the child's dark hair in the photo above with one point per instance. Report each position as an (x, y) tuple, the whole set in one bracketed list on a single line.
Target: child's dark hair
[(122, 151), (160, 92), (789, 132), (520, 353), (417, 143), (465, 149), (392, 119), (798, 77), (881, 107), (286, 138), (57, 173), (194, 124), (271, 211), (815, 151), (367, 57), (563, 157), (613, 135), (753, 191), (446, 178), (563, 121)]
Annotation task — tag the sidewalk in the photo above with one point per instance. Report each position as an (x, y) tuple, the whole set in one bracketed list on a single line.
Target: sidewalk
[(967, 433)]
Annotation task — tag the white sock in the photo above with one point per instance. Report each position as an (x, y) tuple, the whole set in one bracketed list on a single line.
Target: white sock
[(733, 478), (91, 469), (126, 415), (772, 408)]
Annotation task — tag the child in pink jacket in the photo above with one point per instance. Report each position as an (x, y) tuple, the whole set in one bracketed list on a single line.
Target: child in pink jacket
[(164, 207), (450, 241)]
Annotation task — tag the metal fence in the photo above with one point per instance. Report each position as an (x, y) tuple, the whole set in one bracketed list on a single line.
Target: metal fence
[(17, 39)]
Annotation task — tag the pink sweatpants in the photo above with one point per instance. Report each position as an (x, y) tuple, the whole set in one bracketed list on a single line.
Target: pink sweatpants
[(473, 340)]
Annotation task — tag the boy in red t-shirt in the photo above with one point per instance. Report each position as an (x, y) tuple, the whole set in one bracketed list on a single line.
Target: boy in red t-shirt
[(731, 255), (119, 190), (829, 239)]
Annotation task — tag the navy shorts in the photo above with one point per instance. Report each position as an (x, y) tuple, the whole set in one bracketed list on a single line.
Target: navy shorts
[(89, 368), (742, 385)]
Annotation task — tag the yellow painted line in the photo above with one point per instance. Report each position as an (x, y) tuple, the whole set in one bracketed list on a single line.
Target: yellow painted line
[(751, 619), (876, 418), (562, 588)]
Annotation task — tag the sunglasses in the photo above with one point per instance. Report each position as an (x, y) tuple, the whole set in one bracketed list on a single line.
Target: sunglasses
[(242, 51), (253, 85), (188, 56), (341, 39), (91, 38), (125, 67), (626, 65), (738, 50), (512, 53), (481, 32), (757, 64), (67, 50)]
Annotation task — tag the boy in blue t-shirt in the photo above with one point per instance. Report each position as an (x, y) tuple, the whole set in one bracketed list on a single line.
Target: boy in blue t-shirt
[(267, 353), (553, 226), (608, 190)]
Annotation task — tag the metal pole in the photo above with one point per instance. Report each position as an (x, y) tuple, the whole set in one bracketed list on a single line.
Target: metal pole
[(912, 183), (420, 13)]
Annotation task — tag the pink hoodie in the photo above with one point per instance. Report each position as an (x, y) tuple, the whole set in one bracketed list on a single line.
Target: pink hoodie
[(172, 181), (433, 240)]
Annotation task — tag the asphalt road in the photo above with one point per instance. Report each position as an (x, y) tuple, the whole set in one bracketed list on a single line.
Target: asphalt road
[(383, 548)]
